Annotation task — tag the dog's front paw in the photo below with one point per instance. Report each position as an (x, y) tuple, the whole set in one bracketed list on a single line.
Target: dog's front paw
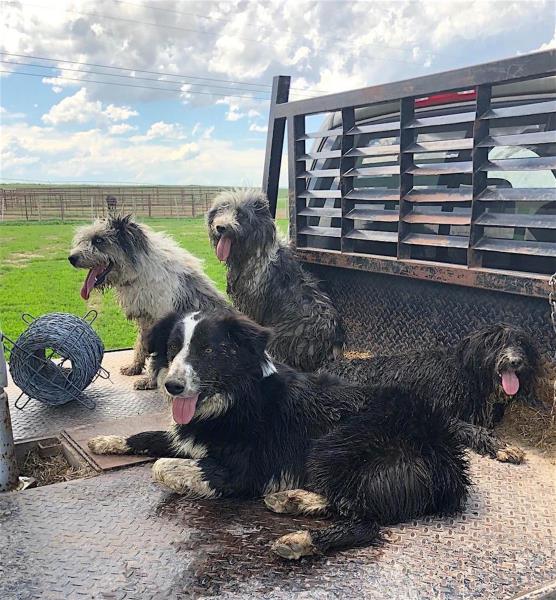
[(510, 454), (297, 502), (130, 370), (183, 476), (109, 444), (294, 545), (145, 383)]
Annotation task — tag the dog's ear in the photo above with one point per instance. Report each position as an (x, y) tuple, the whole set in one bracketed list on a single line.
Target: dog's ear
[(129, 235), (157, 337), (260, 202), (247, 334)]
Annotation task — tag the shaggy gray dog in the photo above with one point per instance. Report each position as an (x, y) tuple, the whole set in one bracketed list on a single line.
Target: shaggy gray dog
[(151, 274), (268, 284)]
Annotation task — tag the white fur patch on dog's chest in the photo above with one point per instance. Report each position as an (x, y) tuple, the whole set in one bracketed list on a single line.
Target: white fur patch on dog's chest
[(186, 446)]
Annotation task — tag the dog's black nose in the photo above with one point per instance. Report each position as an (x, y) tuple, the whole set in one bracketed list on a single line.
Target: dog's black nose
[(221, 229), (515, 362), (73, 259), (174, 387)]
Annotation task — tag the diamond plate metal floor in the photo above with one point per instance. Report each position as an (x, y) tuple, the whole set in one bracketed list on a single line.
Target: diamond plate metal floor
[(120, 536), (116, 400)]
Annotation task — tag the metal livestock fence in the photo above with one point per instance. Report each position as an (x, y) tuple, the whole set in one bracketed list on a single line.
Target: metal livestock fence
[(46, 203)]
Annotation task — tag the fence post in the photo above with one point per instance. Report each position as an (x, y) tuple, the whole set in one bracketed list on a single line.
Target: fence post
[(275, 141), (9, 474)]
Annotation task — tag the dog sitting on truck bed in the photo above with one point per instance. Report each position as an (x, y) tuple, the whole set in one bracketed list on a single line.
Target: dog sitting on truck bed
[(151, 274), (472, 380), (246, 427), (267, 283)]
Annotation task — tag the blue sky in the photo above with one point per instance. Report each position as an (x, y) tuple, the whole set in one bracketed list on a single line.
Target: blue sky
[(57, 129)]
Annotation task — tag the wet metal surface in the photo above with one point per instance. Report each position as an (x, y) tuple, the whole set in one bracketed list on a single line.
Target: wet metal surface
[(120, 535), (114, 400)]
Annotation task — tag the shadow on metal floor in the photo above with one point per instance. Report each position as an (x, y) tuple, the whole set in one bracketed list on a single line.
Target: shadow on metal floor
[(120, 535)]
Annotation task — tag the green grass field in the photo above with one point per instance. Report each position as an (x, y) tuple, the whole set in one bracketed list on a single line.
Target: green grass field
[(35, 275)]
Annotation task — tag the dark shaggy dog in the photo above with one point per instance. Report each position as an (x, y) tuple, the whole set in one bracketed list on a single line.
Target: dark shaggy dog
[(472, 380), (246, 427), (267, 283), (150, 273)]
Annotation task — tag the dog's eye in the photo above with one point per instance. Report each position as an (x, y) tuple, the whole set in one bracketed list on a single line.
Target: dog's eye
[(208, 350), (96, 241)]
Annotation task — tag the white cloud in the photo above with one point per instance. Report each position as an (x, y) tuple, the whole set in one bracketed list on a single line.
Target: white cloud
[(6, 114), (160, 129), (258, 128), (80, 109), (121, 128), (94, 154)]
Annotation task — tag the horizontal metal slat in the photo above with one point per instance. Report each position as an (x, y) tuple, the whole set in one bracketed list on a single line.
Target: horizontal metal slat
[(444, 241), (521, 164), (517, 220), (466, 117), (516, 247), (519, 139), (389, 150), (439, 195), (368, 214), (370, 235), (522, 110), (321, 155), (441, 145), (441, 168), (319, 173), (320, 231), (319, 134), (314, 211), (320, 194), (375, 128), (494, 194), (373, 171), (437, 218), (374, 195)]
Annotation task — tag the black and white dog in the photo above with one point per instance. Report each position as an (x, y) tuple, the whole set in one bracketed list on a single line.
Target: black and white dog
[(247, 427), (473, 380), (267, 283)]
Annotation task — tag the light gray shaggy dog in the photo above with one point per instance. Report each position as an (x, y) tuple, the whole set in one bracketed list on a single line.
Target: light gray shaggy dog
[(150, 273), (268, 284)]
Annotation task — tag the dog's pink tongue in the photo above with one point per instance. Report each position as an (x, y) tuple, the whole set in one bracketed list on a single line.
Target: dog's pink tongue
[(223, 248), (510, 383), (90, 281), (183, 408)]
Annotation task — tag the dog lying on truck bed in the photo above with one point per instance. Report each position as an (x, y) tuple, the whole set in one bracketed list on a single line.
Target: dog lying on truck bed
[(151, 274), (267, 283), (472, 380), (246, 427)]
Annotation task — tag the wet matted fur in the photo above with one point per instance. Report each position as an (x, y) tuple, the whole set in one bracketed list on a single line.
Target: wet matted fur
[(269, 285), (151, 274), (246, 427), (474, 380)]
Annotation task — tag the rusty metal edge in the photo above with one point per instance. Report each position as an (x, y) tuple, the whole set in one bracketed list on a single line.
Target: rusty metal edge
[(501, 281)]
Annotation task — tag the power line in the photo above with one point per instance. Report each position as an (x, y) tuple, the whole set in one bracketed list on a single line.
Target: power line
[(147, 87), (87, 64), (203, 85), (11, 62)]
